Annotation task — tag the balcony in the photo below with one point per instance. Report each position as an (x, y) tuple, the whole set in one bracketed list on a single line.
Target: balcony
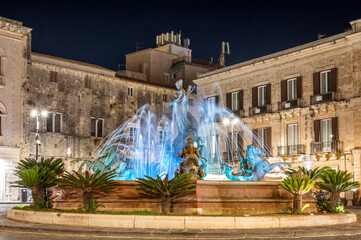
[(260, 110), (324, 97), (239, 113), (325, 147), (290, 104), (291, 150)]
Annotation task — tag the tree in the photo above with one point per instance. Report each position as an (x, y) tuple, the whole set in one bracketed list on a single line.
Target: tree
[(53, 164), (297, 184), (88, 183), (166, 190), (336, 182), (313, 174), (38, 179)]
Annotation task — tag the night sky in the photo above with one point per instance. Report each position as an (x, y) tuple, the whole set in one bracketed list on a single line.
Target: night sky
[(102, 32)]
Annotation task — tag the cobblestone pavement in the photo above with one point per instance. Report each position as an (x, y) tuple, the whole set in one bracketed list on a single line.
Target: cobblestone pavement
[(21, 230)]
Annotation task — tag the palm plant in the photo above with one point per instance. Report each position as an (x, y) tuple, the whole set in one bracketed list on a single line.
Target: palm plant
[(53, 164), (166, 190), (336, 182), (37, 179), (313, 174), (297, 184), (88, 183)]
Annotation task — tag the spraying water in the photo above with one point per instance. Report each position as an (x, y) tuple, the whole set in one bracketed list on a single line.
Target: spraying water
[(146, 145)]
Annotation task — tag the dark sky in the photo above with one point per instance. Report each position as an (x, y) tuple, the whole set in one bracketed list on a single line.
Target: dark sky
[(102, 32)]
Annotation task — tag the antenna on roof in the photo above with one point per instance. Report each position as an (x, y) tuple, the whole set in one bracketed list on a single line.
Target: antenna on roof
[(222, 59)]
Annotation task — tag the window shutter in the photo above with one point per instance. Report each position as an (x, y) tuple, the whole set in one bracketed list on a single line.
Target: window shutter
[(217, 100), (240, 99), (334, 79), (268, 93), (269, 139), (283, 90), (255, 97), (316, 130), (316, 83), (229, 100), (240, 142), (254, 137), (334, 129), (299, 87)]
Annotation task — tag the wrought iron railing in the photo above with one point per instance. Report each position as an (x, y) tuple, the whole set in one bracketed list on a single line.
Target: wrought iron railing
[(260, 109), (290, 104), (291, 150), (324, 147), (239, 113), (324, 97)]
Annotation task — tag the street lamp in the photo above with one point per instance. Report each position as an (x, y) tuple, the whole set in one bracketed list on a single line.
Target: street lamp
[(35, 113)]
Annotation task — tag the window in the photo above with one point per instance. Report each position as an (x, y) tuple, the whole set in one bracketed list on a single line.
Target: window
[(262, 96), (93, 127), (130, 91), (161, 136), (100, 127), (0, 125), (235, 101), (166, 77), (325, 81), (54, 122), (262, 137), (88, 82), (174, 75), (292, 89), (57, 123), (96, 127), (49, 122), (53, 76), (133, 134), (165, 97), (326, 134), (292, 138)]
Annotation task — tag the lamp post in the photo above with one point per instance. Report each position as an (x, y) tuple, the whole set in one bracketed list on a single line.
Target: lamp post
[(35, 113)]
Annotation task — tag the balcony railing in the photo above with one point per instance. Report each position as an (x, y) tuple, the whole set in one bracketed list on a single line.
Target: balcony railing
[(291, 150), (239, 113), (324, 147), (290, 104), (324, 97), (260, 109)]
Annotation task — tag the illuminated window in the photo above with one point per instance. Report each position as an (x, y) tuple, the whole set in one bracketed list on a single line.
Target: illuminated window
[(133, 134), (54, 122), (262, 137), (292, 89), (165, 97), (235, 102), (325, 81), (262, 96)]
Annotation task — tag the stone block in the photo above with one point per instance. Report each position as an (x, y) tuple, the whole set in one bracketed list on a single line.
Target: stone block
[(257, 222), (71, 219), (210, 222), (159, 222), (297, 221), (115, 221)]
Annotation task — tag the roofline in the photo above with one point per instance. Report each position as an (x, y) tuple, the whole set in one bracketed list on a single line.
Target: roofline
[(72, 62), (277, 54)]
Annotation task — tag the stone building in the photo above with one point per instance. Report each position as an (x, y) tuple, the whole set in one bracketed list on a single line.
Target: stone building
[(304, 102), (169, 62), (84, 103)]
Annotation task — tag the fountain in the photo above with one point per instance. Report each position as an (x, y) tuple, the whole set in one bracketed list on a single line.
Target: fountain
[(190, 139), (145, 145)]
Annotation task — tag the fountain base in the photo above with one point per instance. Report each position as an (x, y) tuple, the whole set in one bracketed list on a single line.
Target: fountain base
[(210, 198)]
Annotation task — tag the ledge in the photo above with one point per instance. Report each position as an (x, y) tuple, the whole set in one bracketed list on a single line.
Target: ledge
[(179, 222)]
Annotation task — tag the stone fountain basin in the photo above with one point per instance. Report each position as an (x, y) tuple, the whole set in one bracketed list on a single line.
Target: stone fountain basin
[(179, 222), (210, 198)]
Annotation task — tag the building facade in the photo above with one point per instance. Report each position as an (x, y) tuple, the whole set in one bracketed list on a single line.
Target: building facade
[(304, 102), (84, 103)]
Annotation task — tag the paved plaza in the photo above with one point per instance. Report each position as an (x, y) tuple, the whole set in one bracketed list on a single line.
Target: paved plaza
[(20, 230)]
